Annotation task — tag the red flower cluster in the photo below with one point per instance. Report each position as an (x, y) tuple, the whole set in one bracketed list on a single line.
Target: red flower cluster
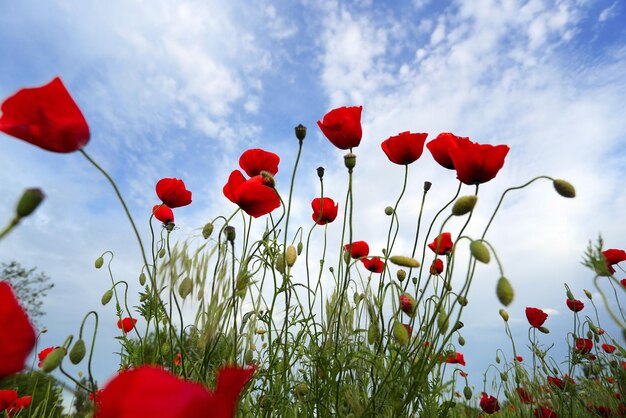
[(489, 404), (373, 264), (11, 404), (324, 210), (536, 317), (404, 148), (126, 324), (342, 127), (46, 117), (17, 336), (584, 345), (523, 396), (358, 249), (575, 305), (153, 392), (442, 244)]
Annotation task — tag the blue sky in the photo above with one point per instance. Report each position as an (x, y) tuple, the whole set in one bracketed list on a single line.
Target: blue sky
[(180, 89)]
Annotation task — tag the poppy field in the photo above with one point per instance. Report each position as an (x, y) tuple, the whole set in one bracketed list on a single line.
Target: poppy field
[(268, 337)]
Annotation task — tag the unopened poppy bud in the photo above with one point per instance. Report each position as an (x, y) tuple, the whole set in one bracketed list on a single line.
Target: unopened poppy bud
[(99, 262), (162, 253), (544, 330), (279, 263), (414, 280), (401, 274), (106, 298), (300, 247), (44, 330), (207, 230), (142, 279), (461, 340), (320, 172), (80, 374), (230, 233), (300, 132), (504, 376), (301, 390), (291, 255), (569, 294), (268, 179), (77, 353), (442, 321), (564, 188), (349, 160), (407, 304), (404, 261), (462, 300), (504, 291), (467, 392), (185, 288), (400, 333), (388, 211), (427, 186), (458, 326), (53, 359), (589, 334), (373, 334), (260, 331), (498, 359), (504, 314), (31, 198), (587, 293), (480, 251), (248, 357), (463, 205)]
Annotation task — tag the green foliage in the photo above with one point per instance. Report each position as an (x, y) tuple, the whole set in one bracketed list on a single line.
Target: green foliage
[(29, 285)]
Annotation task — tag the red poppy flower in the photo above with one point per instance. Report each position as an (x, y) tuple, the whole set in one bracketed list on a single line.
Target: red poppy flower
[(575, 305), (126, 324), (524, 397), (173, 192), (178, 359), (255, 160), (407, 304), (440, 148), (373, 264), (583, 345), (45, 116), (556, 382), (613, 256), (442, 244), (608, 348), (43, 354), (19, 403), (604, 411), (7, 397), (95, 398), (408, 328), (150, 391), (436, 268), (163, 213), (623, 282), (463, 374), (544, 412), (477, 163), (253, 196), (489, 404), (358, 249), (404, 148), (17, 336), (519, 358), (455, 358), (536, 317), (324, 210), (342, 127)]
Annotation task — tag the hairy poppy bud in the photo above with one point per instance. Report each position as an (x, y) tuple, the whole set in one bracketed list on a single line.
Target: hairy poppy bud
[(290, 256), (106, 298), (230, 233), (162, 253), (300, 132), (544, 330), (373, 333), (564, 188), (400, 333), (207, 230), (401, 274), (504, 376), (504, 291), (462, 300), (31, 198), (388, 211), (185, 288), (461, 340), (142, 279), (279, 263), (463, 205), (404, 261), (300, 246), (407, 304), (53, 359), (442, 321), (77, 353), (427, 186), (99, 262), (467, 392), (349, 160), (248, 357), (498, 359), (504, 314), (414, 280), (480, 251), (587, 293)]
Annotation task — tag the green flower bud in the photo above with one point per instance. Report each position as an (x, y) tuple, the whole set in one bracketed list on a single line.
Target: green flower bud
[(442, 321), (279, 263), (461, 340), (504, 376), (544, 330), (564, 188), (504, 291), (404, 261), (462, 300), (248, 357), (401, 274), (142, 279), (99, 262), (106, 298), (30, 199), (185, 288), (587, 293), (291, 255), (400, 333), (480, 251), (414, 280), (388, 211), (300, 246), (569, 293), (467, 392), (589, 334), (53, 359), (162, 253), (463, 205), (504, 314), (498, 359), (373, 333), (301, 390), (77, 353), (207, 230)]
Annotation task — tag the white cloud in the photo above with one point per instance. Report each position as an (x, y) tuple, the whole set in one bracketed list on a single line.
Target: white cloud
[(608, 13)]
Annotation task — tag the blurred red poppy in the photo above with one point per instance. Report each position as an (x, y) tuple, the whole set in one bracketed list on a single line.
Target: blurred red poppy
[(583, 345), (608, 348), (440, 148), (173, 193), (436, 267), (544, 412), (442, 244), (556, 382), (45, 116), (19, 403), (126, 324), (324, 210), (523, 396), (358, 249), (43, 354), (253, 196), (477, 163), (405, 147), (536, 317), (613, 256), (7, 397), (455, 358), (489, 404), (623, 282), (163, 213), (519, 358), (178, 359), (575, 305), (17, 336), (342, 127), (374, 264), (407, 304), (255, 160)]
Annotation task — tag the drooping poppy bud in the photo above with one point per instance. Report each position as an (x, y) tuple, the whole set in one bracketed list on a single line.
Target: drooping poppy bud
[(564, 188), (467, 392), (400, 333), (207, 230), (30, 200), (504, 291), (404, 261), (480, 251), (464, 204), (77, 353), (290, 256), (185, 288), (373, 333), (106, 297), (504, 314), (142, 279), (442, 320)]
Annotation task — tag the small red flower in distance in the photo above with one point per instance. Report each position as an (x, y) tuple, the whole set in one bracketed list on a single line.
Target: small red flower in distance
[(519, 358), (43, 354), (623, 282), (253, 161), (583, 345), (608, 348), (436, 267), (600, 331), (358, 249), (463, 374), (173, 193), (149, 391), (408, 328), (556, 382), (46, 117), (163, 213), (7, 397), (342, 127), (442, 244), (253, 196), (524, 397), (544, 412), (489, 404), (477, 163), (373, 264), (19, 403), (575, 305), (178, 359), (536, 317), (17, 336), (404, 148), (324, 210), (613, 256), (455, 358), (440, 148), (126, 324)]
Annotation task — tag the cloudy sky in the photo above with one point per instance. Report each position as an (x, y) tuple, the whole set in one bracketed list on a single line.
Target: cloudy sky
[(181, 89)]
